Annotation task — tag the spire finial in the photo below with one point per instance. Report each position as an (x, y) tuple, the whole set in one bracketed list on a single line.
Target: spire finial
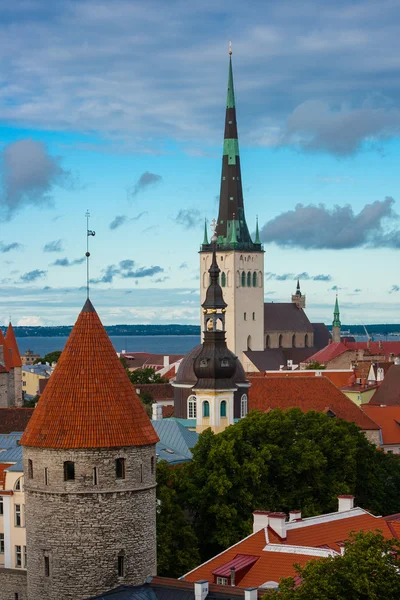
[(213, 226), (89, 232), (257, 239), (230, 48)]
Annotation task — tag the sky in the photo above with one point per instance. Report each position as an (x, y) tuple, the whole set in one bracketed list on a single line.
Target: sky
[(118, 108)]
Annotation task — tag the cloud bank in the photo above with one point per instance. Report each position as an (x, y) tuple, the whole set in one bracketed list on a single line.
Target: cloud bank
[(293, 277), (319, 227), (189, 218), (145, 181), (54, 246), (126, 269)]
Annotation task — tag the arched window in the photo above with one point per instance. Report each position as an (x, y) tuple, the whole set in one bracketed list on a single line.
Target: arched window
[(245, 316), (294, 340), (223, 279), (222, 408), (249, 343), (243, 279), (18, 485), (254, 316), (254, 279), (248, 279), (237, 279), (267, 341), (306, 340), (260, 279), (206, 409), (30, 469), (69, 470), (243, 406), (192, 412), (280, 342), (152, 465), (121, 564)]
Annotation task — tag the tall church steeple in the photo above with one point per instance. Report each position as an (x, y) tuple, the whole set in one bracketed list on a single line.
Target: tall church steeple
[(336, 325), (232, 230), (240, 259)]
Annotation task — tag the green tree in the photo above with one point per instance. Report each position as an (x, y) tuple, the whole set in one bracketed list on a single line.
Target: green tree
[(177, 551), (280, 461), (368, 570), (315, 366), (147, 401), (51, 357), (32, 402), (145, 375)]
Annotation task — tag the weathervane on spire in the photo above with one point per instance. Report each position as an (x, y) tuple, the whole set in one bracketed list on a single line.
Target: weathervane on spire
[(230, 48), (89, 232), (213, 226)]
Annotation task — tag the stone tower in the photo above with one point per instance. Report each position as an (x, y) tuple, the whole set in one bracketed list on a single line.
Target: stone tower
[(215, 365), (89, 463), (240, 259), (336, 324), (298, 298)]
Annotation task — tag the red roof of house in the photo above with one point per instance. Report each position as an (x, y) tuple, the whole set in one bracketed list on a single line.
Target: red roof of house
[(273, 564), (240, 562), (89, 401), (14, 419), (3, 467), (306, 393), (159, 391), (335, 349), (13, 346), (388, 419), (338, 378)]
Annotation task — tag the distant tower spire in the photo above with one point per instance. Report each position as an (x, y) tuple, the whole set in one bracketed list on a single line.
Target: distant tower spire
[(89, 233), (257, 238), (205, 240), (298, 298), (336, 324)]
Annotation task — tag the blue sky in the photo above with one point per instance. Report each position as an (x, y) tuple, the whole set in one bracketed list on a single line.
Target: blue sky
[(119, 108)]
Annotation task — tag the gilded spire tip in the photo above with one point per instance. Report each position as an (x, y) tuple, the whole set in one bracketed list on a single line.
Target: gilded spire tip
[(230, 48)]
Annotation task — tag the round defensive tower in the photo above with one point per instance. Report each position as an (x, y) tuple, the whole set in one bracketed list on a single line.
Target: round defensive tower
[(89, 463)]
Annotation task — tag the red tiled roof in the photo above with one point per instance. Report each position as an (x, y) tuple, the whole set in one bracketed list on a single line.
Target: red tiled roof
[(306, 393), (3, 467), (338, 378), (240, 562), (373, 348), (14, 419), (6, 352), (388, 392), (13, 346), (388, 418), (89, 401), (272, 566), (167, 411), (330, 352), (159, 391)]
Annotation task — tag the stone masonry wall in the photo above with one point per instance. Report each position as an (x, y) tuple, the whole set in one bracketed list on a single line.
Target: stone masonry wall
[(13, 584), (82, 527), (3, 390)]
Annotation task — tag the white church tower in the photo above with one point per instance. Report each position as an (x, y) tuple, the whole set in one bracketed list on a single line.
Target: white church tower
[(240, 260)]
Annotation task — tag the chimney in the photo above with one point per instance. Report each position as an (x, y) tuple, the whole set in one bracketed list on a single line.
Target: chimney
[(166, 361), (251, 594), (380, 345), (294, 515), (260, 520), (397, 360), (157, 412), (345, 503), (233, 576), (201, 590), (277, 522)]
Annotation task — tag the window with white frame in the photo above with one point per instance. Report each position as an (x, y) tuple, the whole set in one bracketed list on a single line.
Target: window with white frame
[(18, 485), (18, 557), (243, 406), (18, 515), (222, 580), (1, 543), (192, 409)]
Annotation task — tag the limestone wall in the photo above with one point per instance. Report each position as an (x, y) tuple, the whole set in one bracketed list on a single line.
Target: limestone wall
[(13, 584), (79, 528)]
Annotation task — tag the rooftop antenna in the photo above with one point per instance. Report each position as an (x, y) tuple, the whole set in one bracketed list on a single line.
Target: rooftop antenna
[(89, 232)]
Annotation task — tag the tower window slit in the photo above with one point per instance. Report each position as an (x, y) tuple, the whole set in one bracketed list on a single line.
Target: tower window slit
[(69, 470), (46, 476), (46, 566), (120, 468), (121, 564), (95, 476)]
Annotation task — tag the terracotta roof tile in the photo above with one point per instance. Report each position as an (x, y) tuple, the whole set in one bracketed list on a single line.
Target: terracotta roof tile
[(89, 401), (388, 418), (306, 393), (338, 378), (6, 352), (13, 346)]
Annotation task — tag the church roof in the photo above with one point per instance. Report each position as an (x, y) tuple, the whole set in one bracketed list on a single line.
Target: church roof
[(285, 316), (89, 401), (186, 376), (13, 346)]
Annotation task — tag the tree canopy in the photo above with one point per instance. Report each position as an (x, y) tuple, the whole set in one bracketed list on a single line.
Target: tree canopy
[(51, 357), (368, 570), (281, 460)]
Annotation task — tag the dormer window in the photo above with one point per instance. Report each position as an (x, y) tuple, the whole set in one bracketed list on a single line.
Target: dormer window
[(224, 362), (203, 362)]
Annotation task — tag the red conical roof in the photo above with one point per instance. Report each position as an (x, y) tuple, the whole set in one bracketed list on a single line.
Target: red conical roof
[(13, 346), (6, 352), (89, 401)]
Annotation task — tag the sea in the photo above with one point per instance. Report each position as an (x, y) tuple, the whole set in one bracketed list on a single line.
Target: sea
[(156, 344)]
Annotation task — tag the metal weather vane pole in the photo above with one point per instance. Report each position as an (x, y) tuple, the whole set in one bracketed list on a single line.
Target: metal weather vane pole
[(89, 232)]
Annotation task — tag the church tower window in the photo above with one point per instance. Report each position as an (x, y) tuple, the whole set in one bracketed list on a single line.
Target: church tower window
[(243, 406), (192, 408), (254, 279), (267, 342), (243, 279), (294, 340), (69, 470), (223, 408), (206, 409), (248, 279), (120, 468), (306, 340), (223, 279), (280, 341), (121, 564)]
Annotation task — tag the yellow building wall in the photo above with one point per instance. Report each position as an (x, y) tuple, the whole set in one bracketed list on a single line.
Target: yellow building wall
[(360, 397), (30, 382), (13, 535)]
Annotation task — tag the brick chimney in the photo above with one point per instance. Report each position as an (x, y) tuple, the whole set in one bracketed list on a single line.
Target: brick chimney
[(345, 503), (294, 515), (260, 520), (201, 590), (251, 594), (277, 522)]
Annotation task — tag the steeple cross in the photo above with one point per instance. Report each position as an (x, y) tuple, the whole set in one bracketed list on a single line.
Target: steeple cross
[(213, 226)]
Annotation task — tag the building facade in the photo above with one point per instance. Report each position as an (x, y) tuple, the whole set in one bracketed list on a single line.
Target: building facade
[(10, 370)]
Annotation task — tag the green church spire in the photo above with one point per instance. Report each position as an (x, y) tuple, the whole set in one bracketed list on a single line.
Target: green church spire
[(257, 239), (336, 315), (205, 240), (230, 99)]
